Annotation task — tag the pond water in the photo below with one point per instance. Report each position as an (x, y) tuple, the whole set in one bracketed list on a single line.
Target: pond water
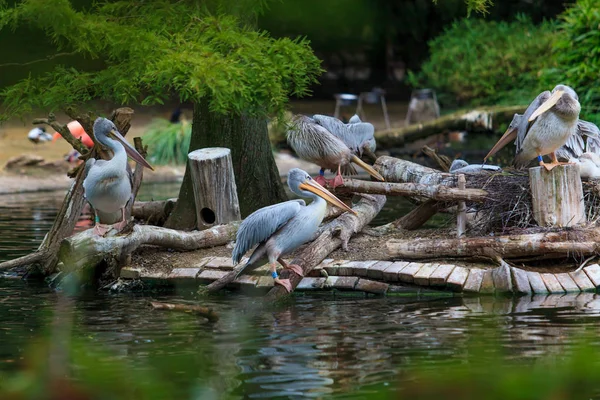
[(315, 346)]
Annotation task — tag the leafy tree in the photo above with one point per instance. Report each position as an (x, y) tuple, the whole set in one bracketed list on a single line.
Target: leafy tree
[(204, 52)]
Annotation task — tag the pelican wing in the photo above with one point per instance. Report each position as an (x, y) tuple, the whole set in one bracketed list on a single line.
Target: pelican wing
[(576, 145), (259, 226), (355, 134), (523, 123)]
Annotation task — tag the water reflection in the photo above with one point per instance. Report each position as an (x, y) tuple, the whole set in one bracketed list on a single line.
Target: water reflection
[(317, 346)]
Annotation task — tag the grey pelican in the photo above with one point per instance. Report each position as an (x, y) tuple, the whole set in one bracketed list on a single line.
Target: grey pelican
[(108, 184), (313, 142), (282, 228), (462, 167), (549, 121), (589, 165), (357, 135), (576, 145)]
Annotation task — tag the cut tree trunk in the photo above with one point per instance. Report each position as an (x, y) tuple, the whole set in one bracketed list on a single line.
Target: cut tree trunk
[(214, 187), (81, 253), (575, 243), (256, 175), (487, 119), (557, 196), (436, 192)]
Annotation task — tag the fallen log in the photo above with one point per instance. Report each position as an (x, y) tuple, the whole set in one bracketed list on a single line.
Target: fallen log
[(486, 119), (154, 211), (417, 217), (205, 312), (84, 251), (436, 192), (570, 243), (403, 171)]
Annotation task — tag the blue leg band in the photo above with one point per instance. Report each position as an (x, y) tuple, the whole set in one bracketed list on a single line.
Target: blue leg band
[(322, 172), (274, 275), (97, 219), (540, 158)]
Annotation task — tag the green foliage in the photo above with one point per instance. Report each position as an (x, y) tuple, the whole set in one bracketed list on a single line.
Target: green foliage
[(577, 50), (151, 50), (478, 61), (168, 143), (278, 127)]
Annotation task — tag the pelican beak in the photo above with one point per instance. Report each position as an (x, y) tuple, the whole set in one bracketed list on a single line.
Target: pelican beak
[(130, 150), (548, 104), (312, 186)]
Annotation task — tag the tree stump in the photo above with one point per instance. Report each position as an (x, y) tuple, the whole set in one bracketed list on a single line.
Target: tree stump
[(557, 196), (215, 192)]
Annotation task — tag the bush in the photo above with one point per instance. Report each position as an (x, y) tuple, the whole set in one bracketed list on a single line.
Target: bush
[(168, 143), (577, 53), (487, 62)]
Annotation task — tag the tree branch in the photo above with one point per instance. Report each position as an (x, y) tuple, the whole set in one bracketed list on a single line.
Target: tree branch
[(14, 64)]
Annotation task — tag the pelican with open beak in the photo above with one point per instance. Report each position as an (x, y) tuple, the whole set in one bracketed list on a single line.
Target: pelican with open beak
[(549, 121), (282, 228), (108, 184)]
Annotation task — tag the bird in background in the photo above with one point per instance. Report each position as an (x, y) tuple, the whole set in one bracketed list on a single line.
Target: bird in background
[(108, 184), (548, 123), (39, 135), (357, 135), (315, 143), (282, 228)]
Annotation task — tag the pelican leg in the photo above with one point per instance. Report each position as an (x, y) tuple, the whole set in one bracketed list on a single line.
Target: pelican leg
[(123, 223), (283, 282), (100, 229), (554, 162), (320, 179), (338, 180), (293, 267)]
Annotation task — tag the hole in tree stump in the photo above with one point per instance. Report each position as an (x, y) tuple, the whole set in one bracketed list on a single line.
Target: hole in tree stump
[(207, 215)]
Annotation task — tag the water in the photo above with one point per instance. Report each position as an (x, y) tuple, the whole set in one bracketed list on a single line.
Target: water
[(316, 346)]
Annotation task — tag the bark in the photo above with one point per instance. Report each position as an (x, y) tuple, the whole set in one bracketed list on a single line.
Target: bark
[(256, 175), (551, 244), (335, 234), (153, 211), (205, 312), (476, 120), (418, 216), (82, 252), (436, 192), (397, 170)]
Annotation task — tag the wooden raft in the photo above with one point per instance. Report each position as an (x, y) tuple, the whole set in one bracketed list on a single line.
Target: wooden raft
[(381, 277)]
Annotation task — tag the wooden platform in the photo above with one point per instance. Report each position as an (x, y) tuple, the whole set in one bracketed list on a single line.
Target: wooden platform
[(384, 277)]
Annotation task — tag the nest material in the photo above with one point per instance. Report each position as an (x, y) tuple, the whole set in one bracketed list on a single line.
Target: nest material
[(509, 206)]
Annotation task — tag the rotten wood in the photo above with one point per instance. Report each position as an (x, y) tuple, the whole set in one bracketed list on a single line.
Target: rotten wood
[(153, 211), (572, 243), (436, 192), (213, 182), (205, 312)]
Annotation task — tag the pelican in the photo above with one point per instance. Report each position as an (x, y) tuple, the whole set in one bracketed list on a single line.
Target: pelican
[(462, 167), (357, 135), (589, 165), (313, 142), (108, 183), (549, 121), (576, 145), (282, 228)]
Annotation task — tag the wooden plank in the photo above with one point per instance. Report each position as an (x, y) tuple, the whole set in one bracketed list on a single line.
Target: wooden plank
[(487, 283), (311, 283), (457, 279), (440, 275), (369, 286), (521, 281), (473, 282), (537, 283), (567, 283), (265, 282), (376, 270), (552, 283), (359, 268), (391, 273), (422, 277), (209, 275), (341, 282), (502, 278), (246, 281), (593, 272), (582, 280), (184, 273), (407, 274), (333, 267), (220, 262)]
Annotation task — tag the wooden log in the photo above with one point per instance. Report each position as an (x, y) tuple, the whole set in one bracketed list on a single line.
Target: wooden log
[(215, 192), (557, 196), (82, 252), (205, 312), (461, 219), (483, 119), (418, 216), (550, 244), (403, 171), (153, 210), (436, 192)]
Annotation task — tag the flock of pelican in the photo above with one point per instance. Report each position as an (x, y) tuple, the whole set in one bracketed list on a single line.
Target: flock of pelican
[(550, 126)]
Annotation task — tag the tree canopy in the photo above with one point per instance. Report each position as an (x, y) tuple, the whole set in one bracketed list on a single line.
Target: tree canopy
[(151, 50)]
